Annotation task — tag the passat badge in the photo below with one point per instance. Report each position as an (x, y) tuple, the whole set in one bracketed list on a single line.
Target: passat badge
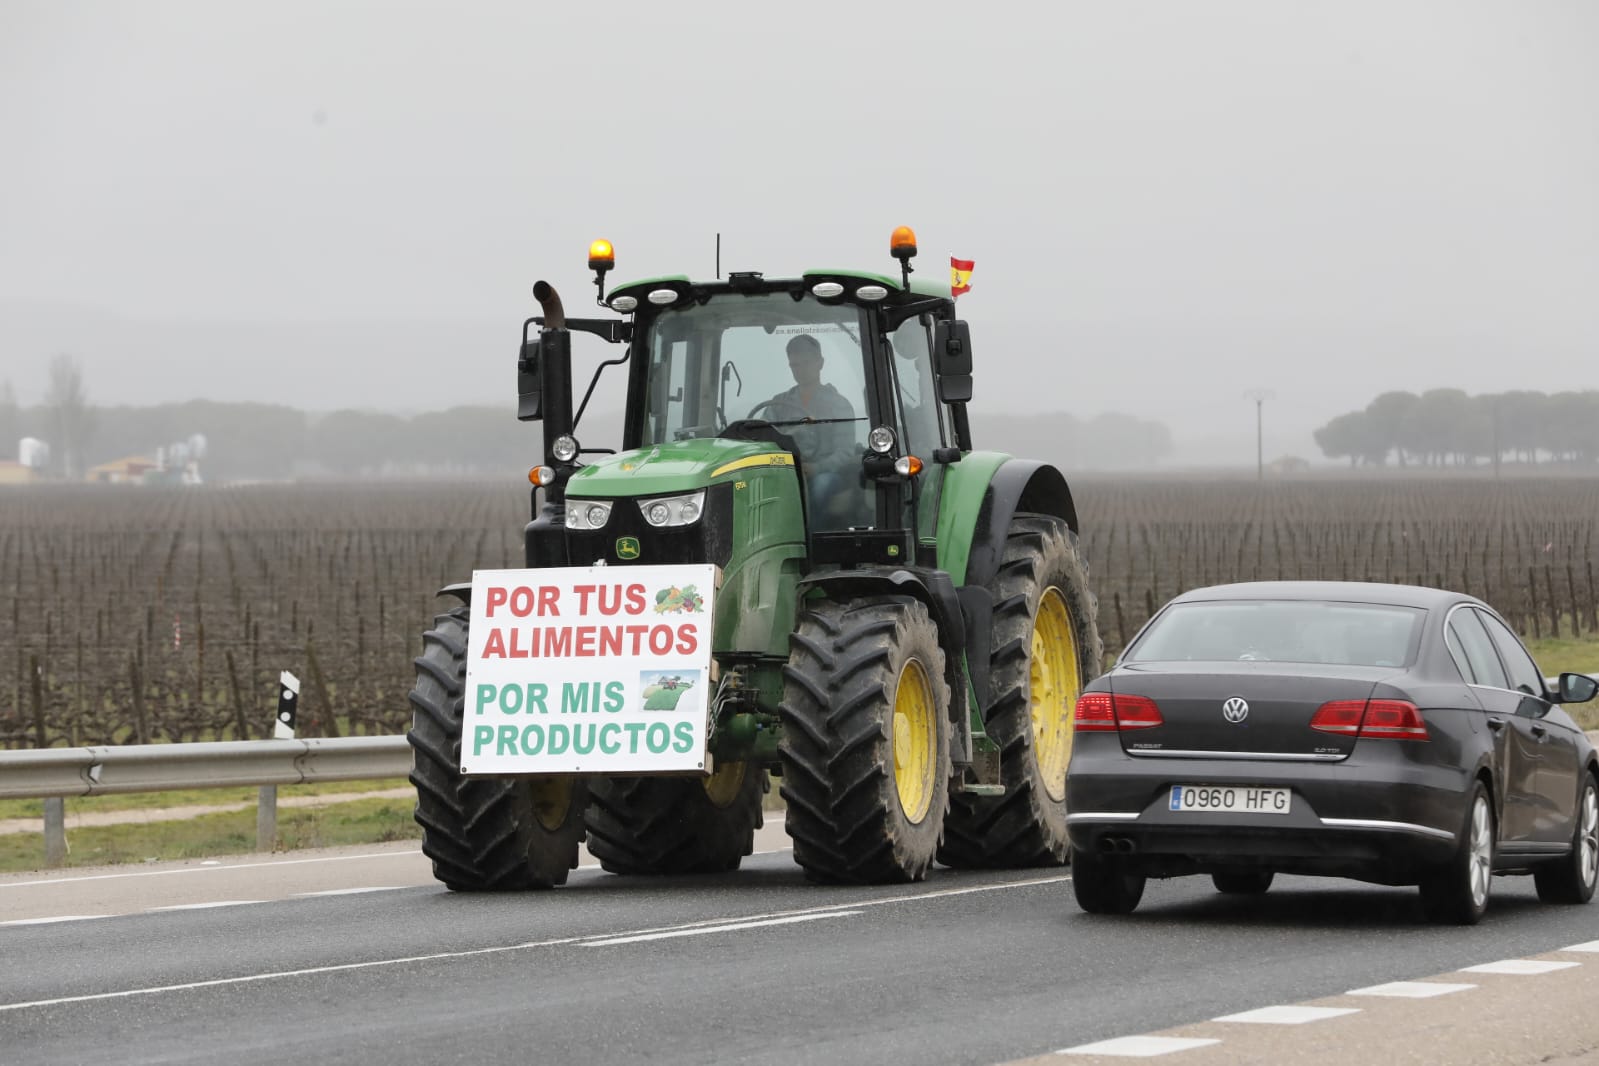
[(1235, 710), (627, 548)]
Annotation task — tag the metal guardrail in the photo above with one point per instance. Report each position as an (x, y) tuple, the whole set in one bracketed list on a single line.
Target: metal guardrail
[(165, 767), (52, 774)]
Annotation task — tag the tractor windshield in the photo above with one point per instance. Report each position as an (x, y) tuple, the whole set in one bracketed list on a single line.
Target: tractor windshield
[(798, 365)]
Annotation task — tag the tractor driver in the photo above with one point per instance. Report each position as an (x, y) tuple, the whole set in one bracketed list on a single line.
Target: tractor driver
[(826, 450)]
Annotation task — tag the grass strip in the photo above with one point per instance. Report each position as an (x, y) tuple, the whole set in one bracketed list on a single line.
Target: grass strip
[(369, 821)]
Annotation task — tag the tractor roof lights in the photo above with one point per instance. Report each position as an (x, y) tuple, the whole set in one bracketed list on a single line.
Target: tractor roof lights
[(827, 289), (902, 245), (662, 297), (623, 304), (871, 293)]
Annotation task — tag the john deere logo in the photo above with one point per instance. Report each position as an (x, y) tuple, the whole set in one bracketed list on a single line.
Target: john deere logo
[(627, 548)]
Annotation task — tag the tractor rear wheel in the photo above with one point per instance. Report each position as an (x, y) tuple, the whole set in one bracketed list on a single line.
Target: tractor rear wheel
[(865, 750), (483, 834), (1046, 647), (676, 825)]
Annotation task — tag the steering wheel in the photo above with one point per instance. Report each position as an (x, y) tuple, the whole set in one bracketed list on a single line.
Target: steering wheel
[(783, 410)]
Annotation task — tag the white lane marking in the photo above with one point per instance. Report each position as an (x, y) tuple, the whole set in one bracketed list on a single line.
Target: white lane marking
[(211, 869), (1286, 1015), (57, 918), (352, 891), (1138, 1047), (1588, 946), (703, 930), (206, 906), (1410, 989), (249, 978), (1522, 967), (447, 955)]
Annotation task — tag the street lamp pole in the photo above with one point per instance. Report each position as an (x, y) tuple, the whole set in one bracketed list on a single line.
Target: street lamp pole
[(1260, 396)]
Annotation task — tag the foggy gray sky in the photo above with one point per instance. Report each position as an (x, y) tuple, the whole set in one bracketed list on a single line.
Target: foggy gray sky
[(344, 204)]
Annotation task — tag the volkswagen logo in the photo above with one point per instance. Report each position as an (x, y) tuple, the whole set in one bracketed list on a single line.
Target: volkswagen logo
[(1235, 710)]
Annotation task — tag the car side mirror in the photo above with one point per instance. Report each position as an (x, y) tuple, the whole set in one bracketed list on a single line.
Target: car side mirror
[(1577, 688), (529, 385), (952, 358)]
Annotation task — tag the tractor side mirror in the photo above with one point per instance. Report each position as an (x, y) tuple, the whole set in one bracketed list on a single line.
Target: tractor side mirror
[(952, 356), (529, 388)]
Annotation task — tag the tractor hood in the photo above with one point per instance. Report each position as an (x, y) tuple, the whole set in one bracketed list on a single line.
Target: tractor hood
[(681, 466)]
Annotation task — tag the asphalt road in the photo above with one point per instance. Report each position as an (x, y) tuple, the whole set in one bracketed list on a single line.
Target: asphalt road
[(758, 966)]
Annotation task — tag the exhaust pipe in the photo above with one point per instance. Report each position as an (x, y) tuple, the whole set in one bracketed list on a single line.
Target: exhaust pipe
[(1117, 845), (550, 303)]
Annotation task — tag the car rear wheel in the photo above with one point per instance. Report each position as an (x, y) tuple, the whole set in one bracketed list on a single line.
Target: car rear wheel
[(1243, 882), (1572, 879), (1103, 885), (1458, 891)]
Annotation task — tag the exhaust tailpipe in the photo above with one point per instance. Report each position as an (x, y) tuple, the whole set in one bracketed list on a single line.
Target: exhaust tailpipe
[(550, 302)]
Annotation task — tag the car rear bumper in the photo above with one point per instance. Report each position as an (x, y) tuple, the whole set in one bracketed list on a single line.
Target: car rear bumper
[(1387, 822)]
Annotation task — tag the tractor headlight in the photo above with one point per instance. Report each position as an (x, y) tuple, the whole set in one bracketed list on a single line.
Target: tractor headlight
[(587, 514), (565, 448), (881, 440), (667, 511)]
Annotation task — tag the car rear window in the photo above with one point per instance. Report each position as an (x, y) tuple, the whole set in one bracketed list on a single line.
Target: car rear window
[(1288, 631)]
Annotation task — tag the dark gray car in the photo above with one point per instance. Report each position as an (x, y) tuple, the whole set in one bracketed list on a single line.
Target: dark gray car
[(1387, 733)]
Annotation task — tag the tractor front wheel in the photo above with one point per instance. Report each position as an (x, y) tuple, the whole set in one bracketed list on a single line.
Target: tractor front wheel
[(866, 733), (482, 833), (1046, 647), (676, 825)]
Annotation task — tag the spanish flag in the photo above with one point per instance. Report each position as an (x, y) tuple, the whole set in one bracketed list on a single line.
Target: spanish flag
[(960, 275)]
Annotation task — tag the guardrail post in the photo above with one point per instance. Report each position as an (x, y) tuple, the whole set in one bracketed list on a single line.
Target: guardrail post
[(55, 831), (266, 819)]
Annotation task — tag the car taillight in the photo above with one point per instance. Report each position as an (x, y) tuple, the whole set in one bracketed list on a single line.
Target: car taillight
[(1340, 716), (1101, 712), (1371, 719), (1393, 720)]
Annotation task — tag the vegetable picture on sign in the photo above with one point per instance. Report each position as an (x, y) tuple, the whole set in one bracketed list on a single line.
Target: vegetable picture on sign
[(674, 600)]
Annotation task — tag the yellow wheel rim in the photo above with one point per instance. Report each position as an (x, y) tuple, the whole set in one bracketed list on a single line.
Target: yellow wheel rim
[(915, 739), (1055, 685), (552, 800), (724, 784)]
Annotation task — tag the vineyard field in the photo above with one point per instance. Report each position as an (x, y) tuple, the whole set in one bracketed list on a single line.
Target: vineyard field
[(148, 614)]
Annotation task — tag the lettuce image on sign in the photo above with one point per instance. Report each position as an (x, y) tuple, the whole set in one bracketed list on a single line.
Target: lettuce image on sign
[(588, 670)]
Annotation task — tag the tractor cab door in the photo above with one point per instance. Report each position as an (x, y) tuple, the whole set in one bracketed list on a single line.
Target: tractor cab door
[(920, 419)]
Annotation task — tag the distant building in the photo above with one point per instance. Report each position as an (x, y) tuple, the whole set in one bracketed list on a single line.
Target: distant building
[(127, 470), (1287, 466), (14, 473)]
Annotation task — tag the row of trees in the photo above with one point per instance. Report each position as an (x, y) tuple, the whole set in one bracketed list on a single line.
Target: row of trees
[(1446, 426)]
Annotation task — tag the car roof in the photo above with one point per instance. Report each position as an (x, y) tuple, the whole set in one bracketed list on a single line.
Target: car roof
[(1337, 591)]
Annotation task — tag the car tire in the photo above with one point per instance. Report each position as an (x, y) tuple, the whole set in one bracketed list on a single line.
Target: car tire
[(1103, 885), (1243, 882), (1572, 879), (1457, 892)]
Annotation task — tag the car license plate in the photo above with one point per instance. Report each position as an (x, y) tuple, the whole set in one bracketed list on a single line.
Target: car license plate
[(1230, 799)]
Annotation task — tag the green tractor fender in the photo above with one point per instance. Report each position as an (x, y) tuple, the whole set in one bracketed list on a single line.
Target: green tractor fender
[(982, 494), (933, 589)]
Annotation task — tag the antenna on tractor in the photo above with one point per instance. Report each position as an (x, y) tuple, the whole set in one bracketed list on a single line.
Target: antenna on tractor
[(902, 246), (718, 257)]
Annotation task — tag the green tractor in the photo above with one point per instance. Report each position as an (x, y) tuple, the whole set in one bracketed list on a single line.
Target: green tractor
[(902, 623)]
